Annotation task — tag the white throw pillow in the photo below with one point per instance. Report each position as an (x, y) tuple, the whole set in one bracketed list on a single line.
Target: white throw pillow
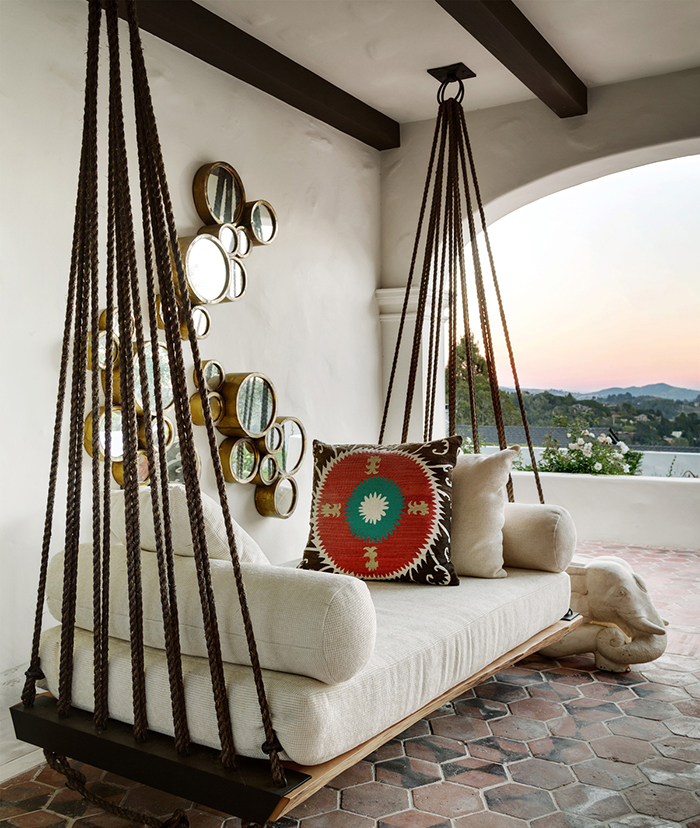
[(478, 500), (214, 526)]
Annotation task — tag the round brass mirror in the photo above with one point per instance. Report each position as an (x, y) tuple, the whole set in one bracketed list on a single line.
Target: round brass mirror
[(291, 452), (271, 443), (166, 386), (102, 338), (244, 243), (261, 221), (268, 471), (201, 322), (213, 374), (226, 234), (216, 403), (218, 193), (278, 500), (169, 432), (238, 282), (207, 269), (117, 439), (143, 473), (251, 405), (239, 459)]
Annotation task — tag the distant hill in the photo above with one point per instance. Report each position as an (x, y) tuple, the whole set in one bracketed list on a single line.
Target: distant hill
[(659, 389)]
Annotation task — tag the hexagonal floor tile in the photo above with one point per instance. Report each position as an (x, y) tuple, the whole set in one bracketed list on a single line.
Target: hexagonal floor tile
[(636, 728), (571, 727), (643, 821), (592, 710), (684, 726), (488, 819), (374, 799), (434, 748), (604, 773), (521, 801), (557, 749), (539, 709), (663, 802), (658, 692), (623, 749), (461, 728), (475, 773), (414, 819), (447, 799), (679, 747), (673, 773), (650, 709), (484, 709), (541, 774), (497, 749), (320, 803), (607, 692), (500, 691), (407, 772), (518, 728), (588, 801)]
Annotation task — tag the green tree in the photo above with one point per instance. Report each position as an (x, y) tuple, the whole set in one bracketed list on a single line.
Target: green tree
[(482, 389)]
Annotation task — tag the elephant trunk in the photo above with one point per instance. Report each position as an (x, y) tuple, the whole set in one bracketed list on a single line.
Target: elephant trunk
[(611, 644)]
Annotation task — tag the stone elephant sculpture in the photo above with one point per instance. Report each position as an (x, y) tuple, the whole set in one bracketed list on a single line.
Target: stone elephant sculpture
[(621, 625)]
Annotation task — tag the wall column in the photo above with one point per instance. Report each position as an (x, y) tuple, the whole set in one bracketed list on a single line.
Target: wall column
[(390, 302)]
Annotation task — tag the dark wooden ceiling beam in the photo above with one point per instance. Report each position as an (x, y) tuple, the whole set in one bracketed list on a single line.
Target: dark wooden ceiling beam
[(195, 30), (503, 29)]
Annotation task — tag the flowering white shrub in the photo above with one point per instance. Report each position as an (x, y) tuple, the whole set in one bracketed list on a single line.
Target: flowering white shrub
[(586, 454)]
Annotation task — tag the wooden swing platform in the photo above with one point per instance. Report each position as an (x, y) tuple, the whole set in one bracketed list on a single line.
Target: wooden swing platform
[(248, 791)]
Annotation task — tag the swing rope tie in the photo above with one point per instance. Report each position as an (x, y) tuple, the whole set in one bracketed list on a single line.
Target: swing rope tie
[(452, 190), (165, 275)]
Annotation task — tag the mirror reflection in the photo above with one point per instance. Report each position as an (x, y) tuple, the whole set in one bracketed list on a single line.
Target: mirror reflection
[(263, 222), (255, 405), (228, 238), (267, 471), (243, 243), (238, 282), (213, 374), (206, 268), (291, 453), (239, 459), (224, 193)]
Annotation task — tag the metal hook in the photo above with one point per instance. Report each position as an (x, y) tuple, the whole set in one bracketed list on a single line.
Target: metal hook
[(459, 97)]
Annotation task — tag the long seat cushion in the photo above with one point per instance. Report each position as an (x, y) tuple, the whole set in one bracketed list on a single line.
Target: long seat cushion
[(428, 640), (305, 622)]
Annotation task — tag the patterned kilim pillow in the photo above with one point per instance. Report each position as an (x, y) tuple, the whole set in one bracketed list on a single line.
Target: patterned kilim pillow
[(383, 512)]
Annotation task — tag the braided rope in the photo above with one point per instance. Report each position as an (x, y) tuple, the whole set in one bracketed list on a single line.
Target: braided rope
[(76, 781)]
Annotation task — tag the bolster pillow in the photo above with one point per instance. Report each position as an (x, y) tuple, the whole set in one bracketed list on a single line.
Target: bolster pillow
[(538, 536), (309, 623)]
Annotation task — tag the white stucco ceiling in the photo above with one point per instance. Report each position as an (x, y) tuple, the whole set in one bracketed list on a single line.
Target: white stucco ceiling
[(379, 50)]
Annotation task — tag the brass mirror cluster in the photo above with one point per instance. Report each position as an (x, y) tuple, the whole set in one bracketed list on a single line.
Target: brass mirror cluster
[(260, 447)]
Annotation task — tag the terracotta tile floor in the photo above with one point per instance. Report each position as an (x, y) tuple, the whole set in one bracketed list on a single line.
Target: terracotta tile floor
[(544, 744)]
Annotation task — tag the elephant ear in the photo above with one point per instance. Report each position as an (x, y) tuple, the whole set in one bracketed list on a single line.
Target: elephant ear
[(640, 583), (577, 571)]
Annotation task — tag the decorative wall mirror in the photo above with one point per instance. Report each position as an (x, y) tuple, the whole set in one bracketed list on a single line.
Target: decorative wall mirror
[(116, 440), (278, 500), (268, 471), (261, 222), (244, 243), (238, 282), (239, 459), (207, 268), (201, 322), (291, 452), (218, 193), (213, 373), (251, 405), (216, 404)]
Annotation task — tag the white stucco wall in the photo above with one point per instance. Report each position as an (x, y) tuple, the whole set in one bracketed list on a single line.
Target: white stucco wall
[(308, 321)]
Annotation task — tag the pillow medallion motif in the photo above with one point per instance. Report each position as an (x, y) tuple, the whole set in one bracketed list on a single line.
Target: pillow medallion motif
[(383, 512)]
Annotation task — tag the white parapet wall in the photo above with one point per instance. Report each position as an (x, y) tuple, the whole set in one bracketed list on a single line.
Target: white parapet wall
[(650, 511)]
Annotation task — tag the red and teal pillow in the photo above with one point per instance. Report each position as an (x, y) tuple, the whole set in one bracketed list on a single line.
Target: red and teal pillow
[(383, 512)]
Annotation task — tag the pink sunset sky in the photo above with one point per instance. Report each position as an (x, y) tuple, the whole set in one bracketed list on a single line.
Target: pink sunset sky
[(601, 282)]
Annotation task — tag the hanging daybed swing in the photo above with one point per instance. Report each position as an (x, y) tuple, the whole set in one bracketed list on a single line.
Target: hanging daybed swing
[(239, 785)]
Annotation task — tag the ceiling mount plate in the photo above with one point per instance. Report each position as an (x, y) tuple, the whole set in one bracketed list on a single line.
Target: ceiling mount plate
[(453, 72)]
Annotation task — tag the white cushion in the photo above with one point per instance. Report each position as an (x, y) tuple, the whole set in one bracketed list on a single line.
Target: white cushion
[(214, 526), (537, 536), (428, 640), (310, 623), (478, 497)]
